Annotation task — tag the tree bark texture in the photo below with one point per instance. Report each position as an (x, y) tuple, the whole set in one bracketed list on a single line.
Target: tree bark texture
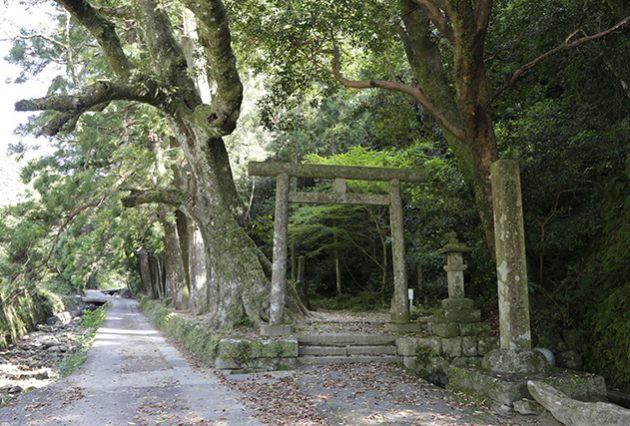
[(174, 262)]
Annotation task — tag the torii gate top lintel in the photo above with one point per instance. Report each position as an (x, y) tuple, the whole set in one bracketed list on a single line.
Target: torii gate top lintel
[(283, 171), (276, 168)]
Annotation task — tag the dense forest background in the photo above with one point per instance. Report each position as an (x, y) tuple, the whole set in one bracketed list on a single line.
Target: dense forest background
[(565, 117)]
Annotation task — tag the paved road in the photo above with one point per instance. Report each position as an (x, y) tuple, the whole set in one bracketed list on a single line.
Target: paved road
[(132, 376)]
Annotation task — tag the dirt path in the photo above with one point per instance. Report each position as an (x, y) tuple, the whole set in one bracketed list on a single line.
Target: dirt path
[(132, 377)]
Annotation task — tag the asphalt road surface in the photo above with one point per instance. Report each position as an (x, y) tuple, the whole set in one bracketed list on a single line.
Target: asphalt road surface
[(132, 376)]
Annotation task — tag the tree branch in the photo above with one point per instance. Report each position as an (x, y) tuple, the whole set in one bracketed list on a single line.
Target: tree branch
[(69, 218), (415, 92), (117, 12), (163, 196), (216, 39), (104, 33), (93, 97), (564, 46), (483, 10), (32, 36), (438, 18)]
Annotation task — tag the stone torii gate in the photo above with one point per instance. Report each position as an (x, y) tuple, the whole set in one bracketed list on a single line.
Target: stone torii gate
[(283, 172)]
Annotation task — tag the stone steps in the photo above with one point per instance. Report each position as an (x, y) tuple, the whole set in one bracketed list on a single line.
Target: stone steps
[(347, 350), (341, 339), (324, 360), (319, 349)]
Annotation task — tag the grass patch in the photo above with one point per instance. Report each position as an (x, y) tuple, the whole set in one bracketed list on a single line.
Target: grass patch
[(91, 321), (5, 399)]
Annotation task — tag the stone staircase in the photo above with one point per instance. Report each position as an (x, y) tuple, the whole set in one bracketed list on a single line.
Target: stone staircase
[(318, 349)]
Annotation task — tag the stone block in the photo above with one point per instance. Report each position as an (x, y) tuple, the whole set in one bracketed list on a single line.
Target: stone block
[(504, 389), (466, 361), (341, 339), (458, 304), (571, 412), (528, 407), (515, 362), (276, 348), (445, 329), (275, 330), (225, 364), (407, 346), (469, 346), (432, 369), (439, 364), (577, 385), (462, 315), (438, 316), (371, 350), (452, 347), (268, 364), (403, 327), (474, 329), (323, 350), (487, 344), (411, 363)]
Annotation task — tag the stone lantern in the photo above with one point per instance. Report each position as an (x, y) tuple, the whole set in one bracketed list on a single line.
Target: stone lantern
[(455, 266)]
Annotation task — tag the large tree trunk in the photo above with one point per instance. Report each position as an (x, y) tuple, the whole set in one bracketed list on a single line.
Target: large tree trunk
[(236, 287), (199, 272), (477, 150), (174, 263), (145, 272)]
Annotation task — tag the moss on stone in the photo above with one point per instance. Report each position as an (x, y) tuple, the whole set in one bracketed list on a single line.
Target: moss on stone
[(217, 348)]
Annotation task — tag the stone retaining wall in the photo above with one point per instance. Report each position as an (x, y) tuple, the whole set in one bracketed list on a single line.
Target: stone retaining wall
[(218, 350), (459, 338)]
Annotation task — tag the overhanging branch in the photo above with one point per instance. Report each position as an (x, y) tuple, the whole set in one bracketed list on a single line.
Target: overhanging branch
[(564, 46), (415, 92), (163, 196), (104, 32), (437, 17), (93, 97)]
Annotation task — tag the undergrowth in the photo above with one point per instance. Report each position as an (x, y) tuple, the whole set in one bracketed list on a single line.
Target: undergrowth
[(91, 321)]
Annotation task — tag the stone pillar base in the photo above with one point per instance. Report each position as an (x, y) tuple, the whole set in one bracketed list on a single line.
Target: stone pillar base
[(515, 362), (275, 330)]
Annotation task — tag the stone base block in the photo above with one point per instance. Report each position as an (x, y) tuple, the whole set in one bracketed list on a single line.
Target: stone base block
[(403, 327), (474, 329), (458, 304), (408, 346), (507, 388), (486, 344), (462, 315), (445, 329), (452, 347), (432, 369), (275, 330), (515, 362)]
